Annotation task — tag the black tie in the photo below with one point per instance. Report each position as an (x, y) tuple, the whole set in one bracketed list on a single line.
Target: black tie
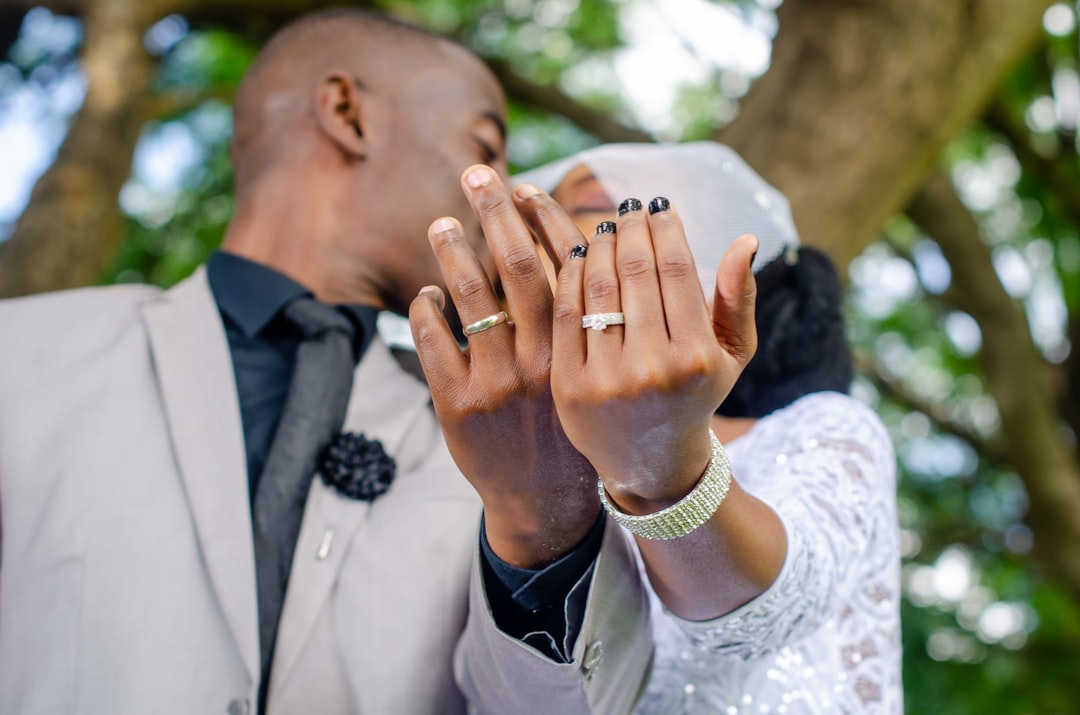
[(314, 412)]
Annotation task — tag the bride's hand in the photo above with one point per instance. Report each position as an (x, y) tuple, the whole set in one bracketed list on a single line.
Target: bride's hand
[(636, 398)]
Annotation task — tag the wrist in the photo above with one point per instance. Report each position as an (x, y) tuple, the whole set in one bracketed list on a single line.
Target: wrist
[(663, 483), (528, 537), (685, 515), (638, 504)]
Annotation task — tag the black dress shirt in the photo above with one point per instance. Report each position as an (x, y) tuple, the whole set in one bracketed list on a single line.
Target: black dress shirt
[(529, 605), (251, 298)]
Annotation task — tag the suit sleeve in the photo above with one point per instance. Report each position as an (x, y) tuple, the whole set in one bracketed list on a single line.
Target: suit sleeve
[(610, 658), (534, 605)]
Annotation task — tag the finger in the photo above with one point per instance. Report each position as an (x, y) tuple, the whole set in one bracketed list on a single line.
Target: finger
[(736, 295), (568, 341), (443, 362), (601, 288), (524, 281), (469, 287), (553, 226), (639, 287), (685, 310)]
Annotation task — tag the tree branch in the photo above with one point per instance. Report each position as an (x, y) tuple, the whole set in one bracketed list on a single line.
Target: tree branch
[(1071, 393), (171, 103), (1059, 177), (60, 7), (1057, 174), (992, 449), (552, 100), (254, 19), (1016, 375)]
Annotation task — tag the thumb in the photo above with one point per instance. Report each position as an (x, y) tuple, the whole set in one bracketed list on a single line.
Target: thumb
[(733, 305)]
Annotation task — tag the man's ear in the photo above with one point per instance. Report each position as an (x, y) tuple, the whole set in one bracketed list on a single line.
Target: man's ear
[(339, 113)]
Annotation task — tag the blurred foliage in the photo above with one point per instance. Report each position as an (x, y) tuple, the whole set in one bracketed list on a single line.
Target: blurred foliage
[(169, 236), (983, 631)]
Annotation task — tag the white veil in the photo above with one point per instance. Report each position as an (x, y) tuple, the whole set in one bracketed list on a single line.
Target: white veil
[(717, 194)]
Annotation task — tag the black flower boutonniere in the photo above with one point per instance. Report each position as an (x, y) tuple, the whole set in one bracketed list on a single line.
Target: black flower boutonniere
[(357, 467)]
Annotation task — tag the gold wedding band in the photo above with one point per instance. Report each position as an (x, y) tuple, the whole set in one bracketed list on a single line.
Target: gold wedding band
[(487, 323)]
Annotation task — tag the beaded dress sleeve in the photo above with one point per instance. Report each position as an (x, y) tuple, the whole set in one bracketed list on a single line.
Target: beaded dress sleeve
[(824, 638)]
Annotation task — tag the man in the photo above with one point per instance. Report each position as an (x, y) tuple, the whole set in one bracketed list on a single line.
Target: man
[(142, 433)]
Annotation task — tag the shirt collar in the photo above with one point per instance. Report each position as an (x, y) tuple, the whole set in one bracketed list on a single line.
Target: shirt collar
[(251, 295)]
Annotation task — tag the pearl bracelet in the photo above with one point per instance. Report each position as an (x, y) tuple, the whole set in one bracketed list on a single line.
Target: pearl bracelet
[(688, 513)]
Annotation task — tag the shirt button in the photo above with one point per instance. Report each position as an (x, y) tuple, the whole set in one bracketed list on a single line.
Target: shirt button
[(594, 654), (238, 707)]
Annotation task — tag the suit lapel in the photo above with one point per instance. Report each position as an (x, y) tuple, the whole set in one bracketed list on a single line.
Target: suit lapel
[(191, 356), (383, 405)]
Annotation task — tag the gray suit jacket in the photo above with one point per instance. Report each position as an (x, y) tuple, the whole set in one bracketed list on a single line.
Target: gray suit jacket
[(127, 580)]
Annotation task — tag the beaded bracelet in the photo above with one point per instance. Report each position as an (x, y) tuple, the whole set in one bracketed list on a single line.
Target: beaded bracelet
[(688, 513)]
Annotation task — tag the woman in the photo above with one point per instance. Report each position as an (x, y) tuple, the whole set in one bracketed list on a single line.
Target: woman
[(767, 533), (824, 636)]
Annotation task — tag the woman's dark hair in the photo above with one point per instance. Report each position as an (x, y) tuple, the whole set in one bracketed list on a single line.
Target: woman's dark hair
[(802, 346)]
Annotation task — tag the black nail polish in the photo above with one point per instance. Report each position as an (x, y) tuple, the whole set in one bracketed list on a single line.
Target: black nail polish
[(629, 205), (605, 227), (658, 204), (579, 251)]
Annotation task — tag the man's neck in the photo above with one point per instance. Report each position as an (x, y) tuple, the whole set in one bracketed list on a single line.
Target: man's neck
[(301, 248)]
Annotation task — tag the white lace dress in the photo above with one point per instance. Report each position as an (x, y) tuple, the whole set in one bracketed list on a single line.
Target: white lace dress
[(825, 637)]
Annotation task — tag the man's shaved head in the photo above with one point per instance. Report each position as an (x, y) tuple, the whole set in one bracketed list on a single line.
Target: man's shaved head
[(350, 134), (278, 88)]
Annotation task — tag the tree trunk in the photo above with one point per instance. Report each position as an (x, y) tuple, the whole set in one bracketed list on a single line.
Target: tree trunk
[(863, 95), (71, 226)]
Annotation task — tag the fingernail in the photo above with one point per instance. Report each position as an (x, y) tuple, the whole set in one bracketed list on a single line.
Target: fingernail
[(658, 204), (435, 294), (579, 250), (629, 205), (442, 226), (524, 191), (605, 227), (478, 177)]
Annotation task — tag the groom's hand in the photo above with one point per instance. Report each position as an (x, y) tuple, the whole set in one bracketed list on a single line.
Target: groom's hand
[(494, 398)]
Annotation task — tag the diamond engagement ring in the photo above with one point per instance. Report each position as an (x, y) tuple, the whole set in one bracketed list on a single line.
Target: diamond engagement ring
[(600, 321), (487, 323)]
